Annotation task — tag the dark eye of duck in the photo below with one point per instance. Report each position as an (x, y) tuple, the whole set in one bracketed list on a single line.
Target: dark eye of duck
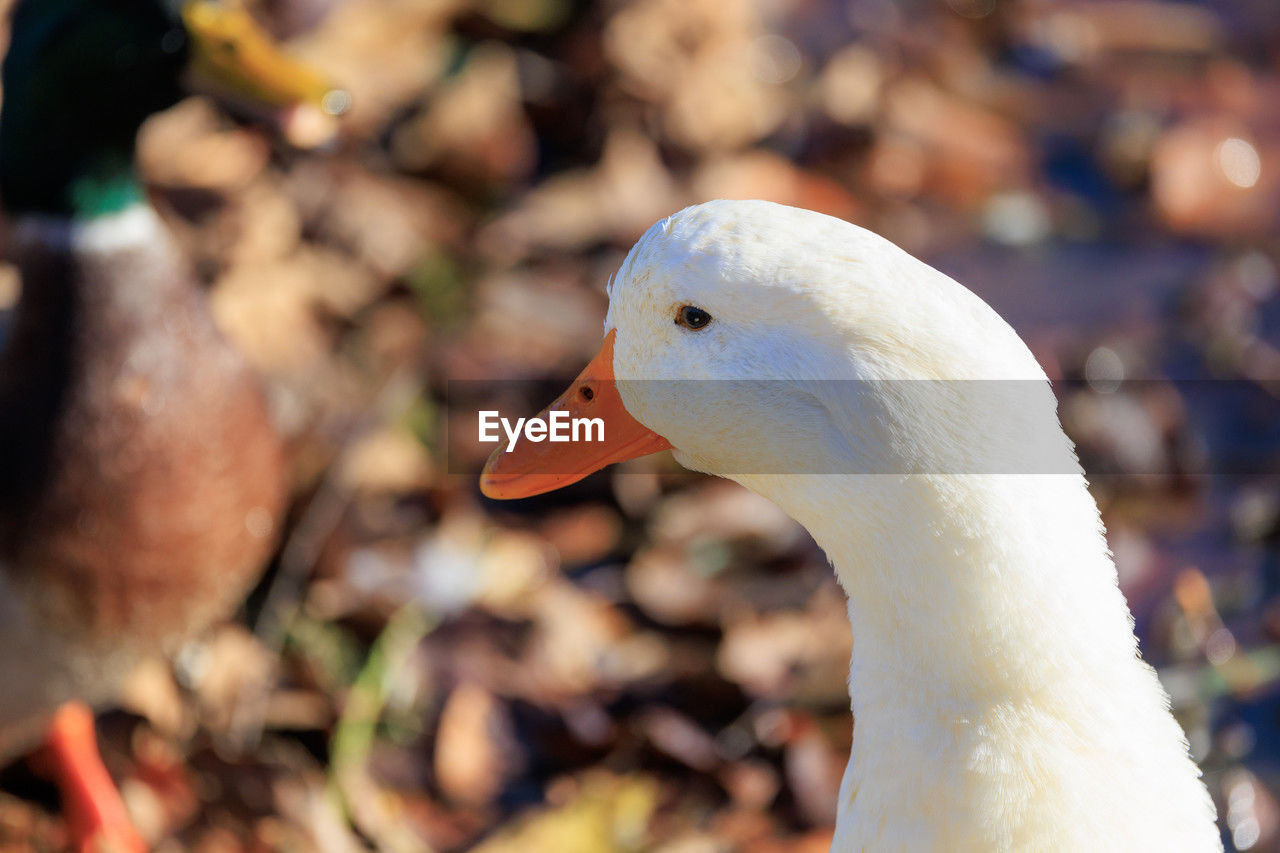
[(692, 317)]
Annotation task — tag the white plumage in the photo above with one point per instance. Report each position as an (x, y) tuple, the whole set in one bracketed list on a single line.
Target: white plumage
[(999, 699)]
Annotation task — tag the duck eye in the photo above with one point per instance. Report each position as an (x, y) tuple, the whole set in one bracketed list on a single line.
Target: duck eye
[(692, 317)]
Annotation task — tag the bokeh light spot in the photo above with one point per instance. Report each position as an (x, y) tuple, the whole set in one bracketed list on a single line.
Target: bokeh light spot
[(1239, 162)]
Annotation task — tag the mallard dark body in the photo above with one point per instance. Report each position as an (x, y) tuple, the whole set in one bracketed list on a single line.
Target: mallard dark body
[(141, 480)]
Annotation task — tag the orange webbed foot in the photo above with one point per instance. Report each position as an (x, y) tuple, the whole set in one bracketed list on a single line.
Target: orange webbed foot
[(94, 810)]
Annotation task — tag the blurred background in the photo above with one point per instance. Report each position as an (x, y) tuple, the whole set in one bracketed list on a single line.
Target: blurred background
[(651, 660)]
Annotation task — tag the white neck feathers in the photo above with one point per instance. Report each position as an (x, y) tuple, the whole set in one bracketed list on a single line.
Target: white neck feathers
[(998, 697)]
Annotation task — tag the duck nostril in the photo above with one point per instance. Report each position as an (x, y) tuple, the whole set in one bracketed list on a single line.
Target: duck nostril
[(587, 393)]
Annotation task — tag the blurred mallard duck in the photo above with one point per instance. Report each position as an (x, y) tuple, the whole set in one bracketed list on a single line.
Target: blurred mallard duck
[(141, 480)]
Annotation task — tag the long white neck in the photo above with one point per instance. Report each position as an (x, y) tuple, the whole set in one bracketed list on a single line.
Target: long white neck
[(998, 697)]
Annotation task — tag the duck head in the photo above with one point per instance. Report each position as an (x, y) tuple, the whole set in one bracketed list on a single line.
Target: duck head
[(759, 340), (81, 76)]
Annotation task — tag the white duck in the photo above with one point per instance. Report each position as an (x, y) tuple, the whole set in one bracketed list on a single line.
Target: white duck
[(1000, 700)]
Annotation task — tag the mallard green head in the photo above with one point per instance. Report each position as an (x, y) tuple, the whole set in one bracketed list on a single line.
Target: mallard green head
[(81, 77)]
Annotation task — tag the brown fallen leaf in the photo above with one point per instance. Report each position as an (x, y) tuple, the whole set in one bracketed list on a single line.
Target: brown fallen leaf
[(473, 753)]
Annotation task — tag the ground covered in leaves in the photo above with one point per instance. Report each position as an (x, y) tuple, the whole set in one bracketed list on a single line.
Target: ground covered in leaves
[(651, 660)]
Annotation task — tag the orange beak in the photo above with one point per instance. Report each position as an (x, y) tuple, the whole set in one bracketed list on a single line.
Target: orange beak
[(533, 468)]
